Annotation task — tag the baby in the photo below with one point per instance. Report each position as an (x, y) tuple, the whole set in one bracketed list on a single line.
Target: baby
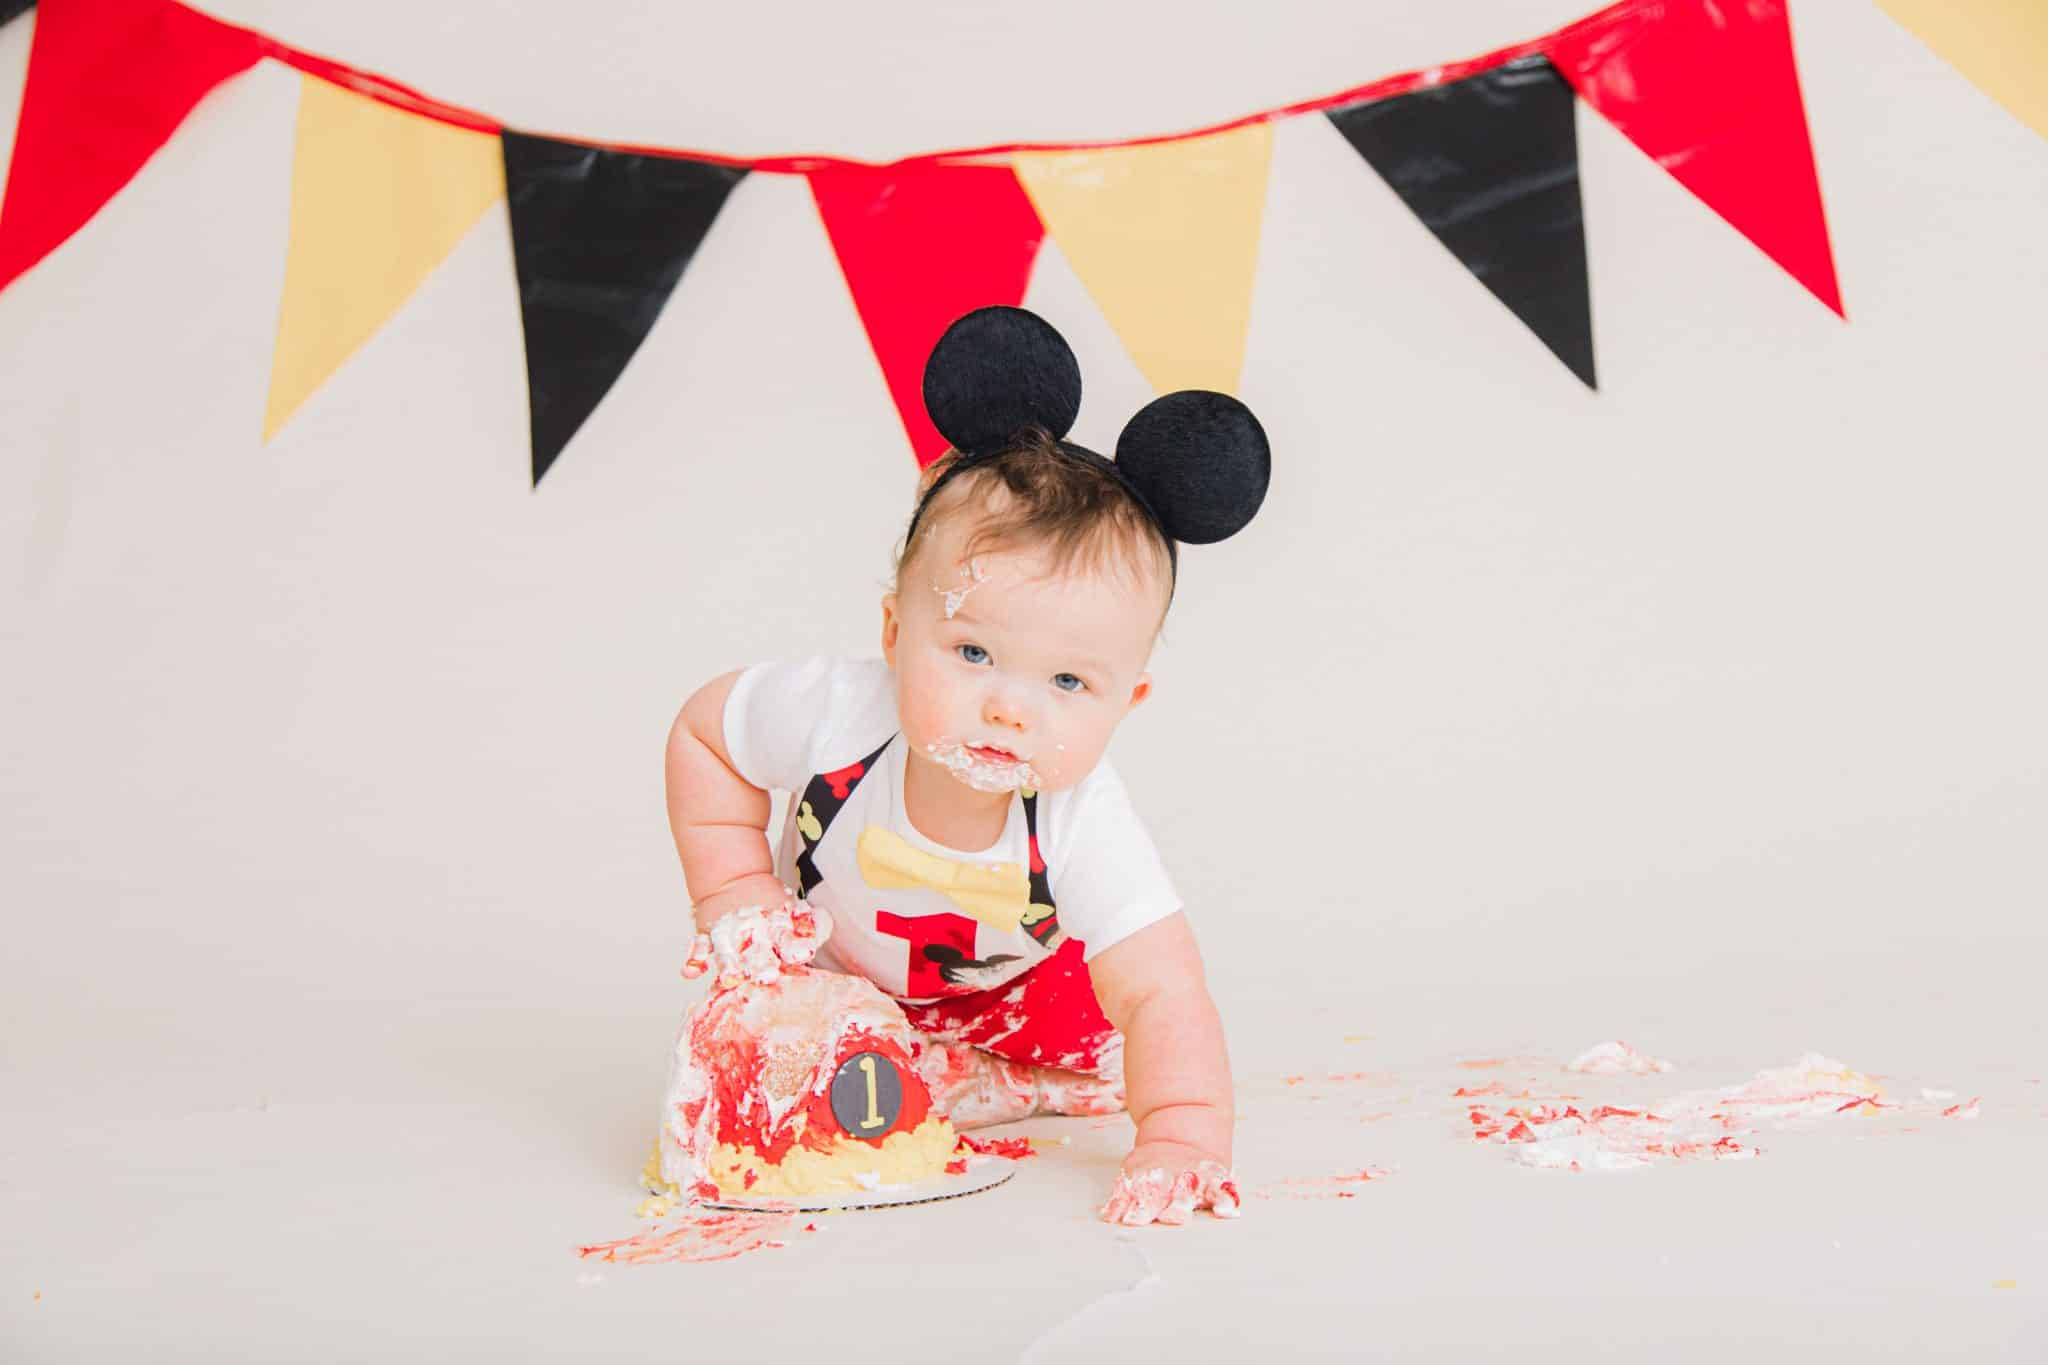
[(952, 813)]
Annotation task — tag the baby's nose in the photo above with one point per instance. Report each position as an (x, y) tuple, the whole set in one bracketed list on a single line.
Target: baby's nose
[(1000, 709)]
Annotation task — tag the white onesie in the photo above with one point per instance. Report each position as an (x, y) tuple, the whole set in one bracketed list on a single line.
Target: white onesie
[(825, 729)]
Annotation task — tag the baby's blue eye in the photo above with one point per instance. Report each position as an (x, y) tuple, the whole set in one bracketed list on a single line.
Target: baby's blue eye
[(1060, 680), (974, 654)]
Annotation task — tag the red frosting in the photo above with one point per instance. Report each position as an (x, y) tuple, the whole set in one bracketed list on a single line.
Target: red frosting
[(736, 1059)]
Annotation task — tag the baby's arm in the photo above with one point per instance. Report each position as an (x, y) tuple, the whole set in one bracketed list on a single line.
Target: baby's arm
[(1176, 1076), (719, 819)]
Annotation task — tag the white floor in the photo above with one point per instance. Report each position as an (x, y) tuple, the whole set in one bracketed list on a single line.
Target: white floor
[(388, 1183)]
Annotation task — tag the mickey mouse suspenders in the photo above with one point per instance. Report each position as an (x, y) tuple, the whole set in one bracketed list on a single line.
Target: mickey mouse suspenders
[(941, 946)]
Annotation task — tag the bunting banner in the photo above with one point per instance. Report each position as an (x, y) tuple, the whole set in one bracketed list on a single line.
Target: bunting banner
[(1165, 237), (2000, 46), (108, 82), (378, 199), (1710, 93), (920, 244), (1164, 232), (599, 239), (1490, 164)]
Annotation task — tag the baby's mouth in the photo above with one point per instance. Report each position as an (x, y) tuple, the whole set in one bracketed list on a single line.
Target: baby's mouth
[(984, 767)]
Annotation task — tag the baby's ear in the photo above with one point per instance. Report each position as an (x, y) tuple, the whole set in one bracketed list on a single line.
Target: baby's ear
[(890, 623)]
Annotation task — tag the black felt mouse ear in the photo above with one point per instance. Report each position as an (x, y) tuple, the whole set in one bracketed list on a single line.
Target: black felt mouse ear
[(1201, 460), (997, 371)]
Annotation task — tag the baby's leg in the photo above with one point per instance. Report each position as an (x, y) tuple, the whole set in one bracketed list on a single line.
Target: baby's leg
[(976, 1088), (1038, 1045), (1099, 1090)]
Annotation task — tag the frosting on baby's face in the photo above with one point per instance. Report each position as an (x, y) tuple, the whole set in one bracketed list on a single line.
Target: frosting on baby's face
[(997, 652)]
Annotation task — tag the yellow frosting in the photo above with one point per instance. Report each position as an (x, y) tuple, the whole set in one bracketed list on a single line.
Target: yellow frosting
[(847, 1166)]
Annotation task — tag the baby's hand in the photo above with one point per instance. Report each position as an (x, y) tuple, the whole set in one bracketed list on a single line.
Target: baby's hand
[(754, 943), (1165, 1182)]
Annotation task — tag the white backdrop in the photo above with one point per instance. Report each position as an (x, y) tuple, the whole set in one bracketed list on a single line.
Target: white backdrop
[(1707, 707)]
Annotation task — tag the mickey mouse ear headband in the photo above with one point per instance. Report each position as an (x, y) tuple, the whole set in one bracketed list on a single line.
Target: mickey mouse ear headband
[(1197, 462)]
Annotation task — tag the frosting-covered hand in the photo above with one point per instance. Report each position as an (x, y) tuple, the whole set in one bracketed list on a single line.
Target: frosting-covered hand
[(754, 943), (1166, 1182)]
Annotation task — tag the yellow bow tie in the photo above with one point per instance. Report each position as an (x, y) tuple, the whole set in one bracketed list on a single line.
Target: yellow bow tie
[(999, 895)]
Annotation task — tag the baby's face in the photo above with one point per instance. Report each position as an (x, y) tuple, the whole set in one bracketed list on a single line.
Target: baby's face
[(1009, 676)]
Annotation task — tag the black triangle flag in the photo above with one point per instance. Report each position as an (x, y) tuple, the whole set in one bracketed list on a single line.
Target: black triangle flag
[(599, 239), (1490, 164), (10, 10)]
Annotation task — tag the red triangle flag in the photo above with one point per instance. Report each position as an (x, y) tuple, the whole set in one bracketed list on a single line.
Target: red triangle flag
[(921, 243), (109, 81), (1710, 92)]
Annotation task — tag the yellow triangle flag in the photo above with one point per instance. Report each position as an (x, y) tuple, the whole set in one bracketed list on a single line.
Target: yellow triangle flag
[(2000, 46), (379, 197), (1166, 239)]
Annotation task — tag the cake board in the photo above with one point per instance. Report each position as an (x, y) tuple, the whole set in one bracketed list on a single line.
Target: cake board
[(983, 1173)]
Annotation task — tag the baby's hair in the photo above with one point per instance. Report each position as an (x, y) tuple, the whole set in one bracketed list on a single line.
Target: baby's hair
[(1082, 517)]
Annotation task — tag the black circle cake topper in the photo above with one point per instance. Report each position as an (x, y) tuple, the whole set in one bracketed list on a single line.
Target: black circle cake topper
[(1196, 461), (867, 1095)]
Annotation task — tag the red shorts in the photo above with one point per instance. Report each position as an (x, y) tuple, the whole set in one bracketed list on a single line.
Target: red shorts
[(1047, 1017)]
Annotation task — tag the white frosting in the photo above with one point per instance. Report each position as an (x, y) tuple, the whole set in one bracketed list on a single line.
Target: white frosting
[(972, 577), (754, 943), (1695, 1124), (1615, 1059), (980, 773)]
